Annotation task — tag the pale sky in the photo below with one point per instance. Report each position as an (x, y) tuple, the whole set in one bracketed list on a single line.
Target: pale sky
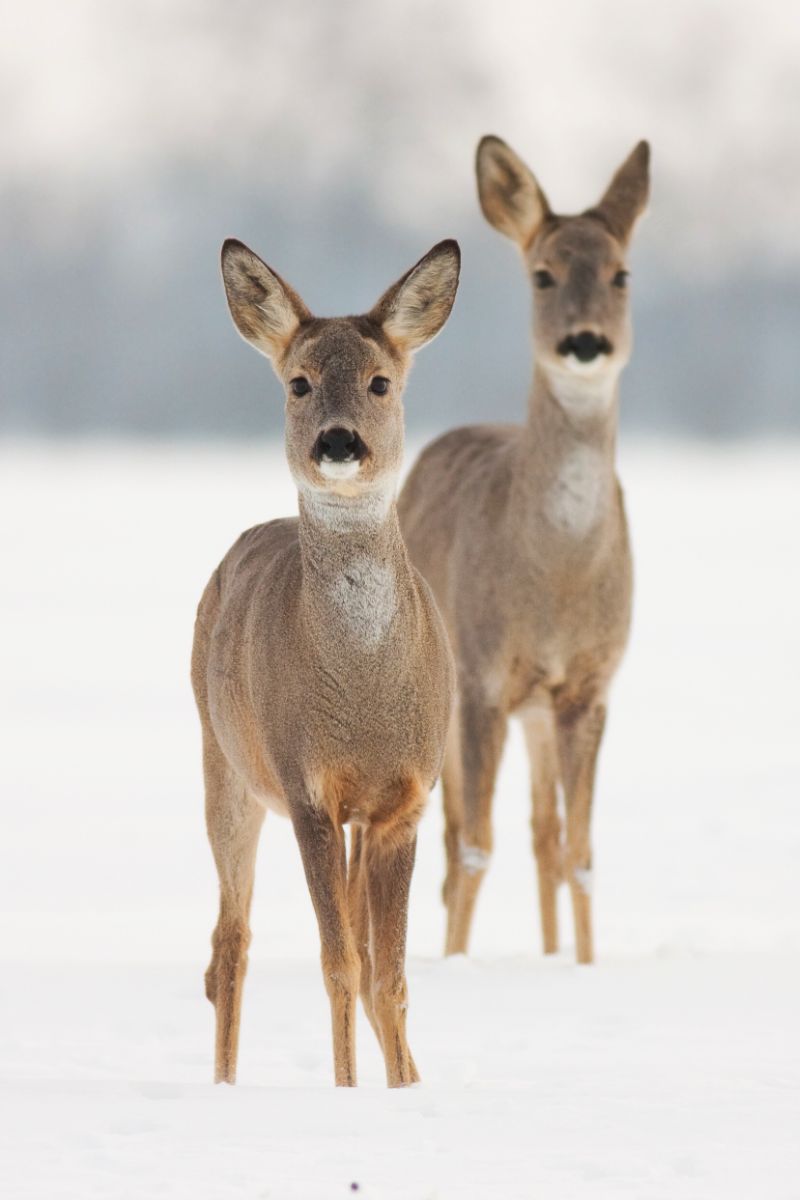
[(391, 97)]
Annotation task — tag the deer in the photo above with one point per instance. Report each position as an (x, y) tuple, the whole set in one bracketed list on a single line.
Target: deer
[(321, 668), (521, 532)]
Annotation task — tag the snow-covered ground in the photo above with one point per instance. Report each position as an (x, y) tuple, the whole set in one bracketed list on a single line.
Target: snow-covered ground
[(670, 1069)]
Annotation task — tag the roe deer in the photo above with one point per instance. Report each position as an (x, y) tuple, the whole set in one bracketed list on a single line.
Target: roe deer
[(321, 667), (521, 533)]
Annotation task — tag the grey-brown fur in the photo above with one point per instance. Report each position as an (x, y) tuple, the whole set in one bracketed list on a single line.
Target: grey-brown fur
[(321, 668), (521, 533)]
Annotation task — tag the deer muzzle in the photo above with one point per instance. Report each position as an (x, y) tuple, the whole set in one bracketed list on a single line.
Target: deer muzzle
[(339, 445), (586, 346)]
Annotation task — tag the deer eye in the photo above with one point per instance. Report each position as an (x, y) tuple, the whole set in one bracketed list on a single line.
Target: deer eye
[(543, 279), (620, 280), (379, 386), (300, 386)]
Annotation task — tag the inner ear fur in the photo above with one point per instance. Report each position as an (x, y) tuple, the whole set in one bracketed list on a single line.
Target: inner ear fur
[(625, 198), (509, 193), (413, 310), (265, 310)]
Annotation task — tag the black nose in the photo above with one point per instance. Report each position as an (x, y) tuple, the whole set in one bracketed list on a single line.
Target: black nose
[(339, 445), (585, 345)]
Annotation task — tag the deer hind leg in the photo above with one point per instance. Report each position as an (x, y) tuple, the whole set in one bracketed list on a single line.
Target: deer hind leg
[(453, 807), (482, 734), (234, 821), (540, 737), (580, 731), (323, 852)]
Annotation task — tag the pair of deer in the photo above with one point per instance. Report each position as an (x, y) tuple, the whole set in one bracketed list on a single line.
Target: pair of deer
[(322, 663)]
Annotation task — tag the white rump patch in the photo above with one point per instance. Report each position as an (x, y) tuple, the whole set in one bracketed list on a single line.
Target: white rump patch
[(583, 878), (365, 596), (576, 500), (473, 859), (339, 470)]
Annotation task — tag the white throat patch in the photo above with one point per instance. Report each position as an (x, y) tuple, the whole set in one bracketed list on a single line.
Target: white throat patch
[(365, 596), (348, 514), (584, 389), (577, 497)]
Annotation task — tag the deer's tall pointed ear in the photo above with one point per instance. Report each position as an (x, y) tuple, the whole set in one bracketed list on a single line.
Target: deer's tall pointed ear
[(265, 310), (415, 308), (625, 198), (510, 197)]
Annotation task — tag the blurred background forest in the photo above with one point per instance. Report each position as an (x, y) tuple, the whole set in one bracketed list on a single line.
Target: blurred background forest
[(338, 141)]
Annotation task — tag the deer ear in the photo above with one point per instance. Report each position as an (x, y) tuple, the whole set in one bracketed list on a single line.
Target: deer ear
[(625, 197), (265, 310), (415, 308), (510, 197)]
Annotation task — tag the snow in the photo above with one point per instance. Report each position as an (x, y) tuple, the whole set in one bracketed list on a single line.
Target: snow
[(669, 1069)]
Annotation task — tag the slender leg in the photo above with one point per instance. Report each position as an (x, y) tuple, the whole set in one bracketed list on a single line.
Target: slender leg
[(453, 807), (234, 822), (322, 850), (389, 867), (580, 732), (540, 736), (482, 734), (358, 906)]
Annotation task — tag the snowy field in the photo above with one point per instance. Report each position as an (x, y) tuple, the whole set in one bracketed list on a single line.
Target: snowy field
[(669, 1070)]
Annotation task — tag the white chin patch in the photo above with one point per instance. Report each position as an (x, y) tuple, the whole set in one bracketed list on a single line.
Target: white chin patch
[(586, 369), (339, 470), (584, 387)]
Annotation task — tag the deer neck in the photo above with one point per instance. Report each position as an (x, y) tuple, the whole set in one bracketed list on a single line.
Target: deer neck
[(353, 561), (567, 476)]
